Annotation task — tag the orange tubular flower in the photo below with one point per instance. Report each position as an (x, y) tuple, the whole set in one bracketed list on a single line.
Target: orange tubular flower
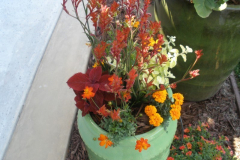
[(104, 141), (142, 144), (88, 93), (150, 110)]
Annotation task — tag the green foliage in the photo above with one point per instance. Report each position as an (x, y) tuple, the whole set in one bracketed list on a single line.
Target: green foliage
[(203, 146), (205, 7), (118, 130)]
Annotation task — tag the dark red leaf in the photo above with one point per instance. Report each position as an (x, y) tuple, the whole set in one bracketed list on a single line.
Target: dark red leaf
[(78, 81), (95, 74), (104, 83), (108, 96), (83, 106)]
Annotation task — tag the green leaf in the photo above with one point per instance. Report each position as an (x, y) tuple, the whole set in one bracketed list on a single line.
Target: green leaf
[(201, 9)]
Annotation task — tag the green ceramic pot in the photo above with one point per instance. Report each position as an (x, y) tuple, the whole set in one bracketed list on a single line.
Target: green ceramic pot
[(159, 139), (218, 36)]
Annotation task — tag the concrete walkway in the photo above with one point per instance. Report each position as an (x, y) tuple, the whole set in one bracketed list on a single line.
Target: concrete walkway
[(43, 129)]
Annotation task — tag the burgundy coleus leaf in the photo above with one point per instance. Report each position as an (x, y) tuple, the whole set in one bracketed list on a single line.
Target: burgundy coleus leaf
[(84, 107), (78, 81), (108, 96), (96, 102), (95, 74), (104, 83)]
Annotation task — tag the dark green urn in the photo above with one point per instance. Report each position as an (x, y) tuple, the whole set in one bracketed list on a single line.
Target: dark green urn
[(218, 36)]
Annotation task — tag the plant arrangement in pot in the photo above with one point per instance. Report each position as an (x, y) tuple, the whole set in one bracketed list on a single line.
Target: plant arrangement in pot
[(126, 102)]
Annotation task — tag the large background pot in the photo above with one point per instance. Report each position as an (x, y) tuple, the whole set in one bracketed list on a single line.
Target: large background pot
[(218, 36), (159, 139)]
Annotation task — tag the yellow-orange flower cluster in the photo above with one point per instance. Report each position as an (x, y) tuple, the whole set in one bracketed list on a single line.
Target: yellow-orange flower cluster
[(178, 97), (155, 118), (175, 114), (175, 111), (160, 96), (150, 110)]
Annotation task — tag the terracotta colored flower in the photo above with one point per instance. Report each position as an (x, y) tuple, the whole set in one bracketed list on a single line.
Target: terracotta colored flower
[(186, 130), (198, 53), (103, 111), (160, 96), (87, 92), (226, 138), (182, 147), (175, 106), (156, 120), (170, 158), (150, 110), (142, 144), (189, 153), (178, 98), (176, 137), (115, 115), (173, 85), (198, 128), (186, 136), (218, 158), (104, 141), (175, 114), (173, 148), (194, 73), (189, 145)]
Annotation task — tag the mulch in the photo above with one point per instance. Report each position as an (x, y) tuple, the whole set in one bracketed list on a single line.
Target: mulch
[(220, 111)]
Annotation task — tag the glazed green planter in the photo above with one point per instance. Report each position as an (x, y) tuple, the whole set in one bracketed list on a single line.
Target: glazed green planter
[(218, 36), (159, 139)]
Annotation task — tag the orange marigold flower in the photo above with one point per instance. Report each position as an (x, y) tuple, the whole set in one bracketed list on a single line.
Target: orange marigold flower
[(175, 114), (189, 145), (186, 130), (150, 110), (136, 24), (142, 144), (178, 98), (175, 106), (156, 119), (182, 147), (189, 153), (170, 158), (176, 137), (104, 141), (160, 96), (88, 92)]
